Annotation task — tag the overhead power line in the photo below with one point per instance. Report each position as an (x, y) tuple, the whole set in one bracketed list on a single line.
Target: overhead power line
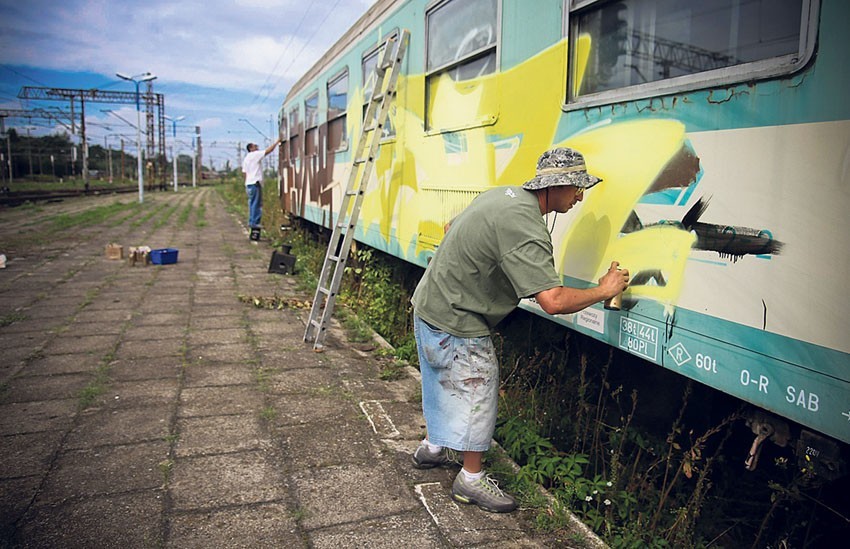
[(282, 54)]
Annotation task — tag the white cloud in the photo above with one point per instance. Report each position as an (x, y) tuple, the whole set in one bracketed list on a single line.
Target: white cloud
[(236, 45)]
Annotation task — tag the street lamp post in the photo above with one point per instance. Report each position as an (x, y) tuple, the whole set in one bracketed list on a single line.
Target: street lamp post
[(108, 158), (174, 122), (138, 79), (195, 146)]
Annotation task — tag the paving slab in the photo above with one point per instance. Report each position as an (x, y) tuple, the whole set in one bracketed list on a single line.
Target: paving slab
[(233, 352), (219, 435), (145, 392), (18, 494), (169, 347), (216, 401), (104, 470), (28, 454), (50, 365), (138, 368), (104, 426), (49, 387), (127, 520), (264, 525), (199, 337), (149, 333), (296, 409), (341, 443), (90, 344), (227, 479), (34, 417), (349, 493), (413, 529)]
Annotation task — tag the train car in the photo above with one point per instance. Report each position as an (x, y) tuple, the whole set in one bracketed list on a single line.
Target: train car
[(721, 131)]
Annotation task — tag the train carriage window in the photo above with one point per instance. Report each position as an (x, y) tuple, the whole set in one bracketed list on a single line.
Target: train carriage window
[(294, 142), (283, 132), (337, 105), (626, 49), (370, 61), (311, 123), (462, 47)]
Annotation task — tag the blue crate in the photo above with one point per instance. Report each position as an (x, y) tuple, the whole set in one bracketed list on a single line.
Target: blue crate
[(164, 256)]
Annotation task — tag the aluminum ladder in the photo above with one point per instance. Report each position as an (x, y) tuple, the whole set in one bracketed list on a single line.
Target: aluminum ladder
[(386, 72)]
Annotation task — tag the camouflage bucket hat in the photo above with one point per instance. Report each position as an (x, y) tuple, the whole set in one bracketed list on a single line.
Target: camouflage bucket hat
[(561, 166)]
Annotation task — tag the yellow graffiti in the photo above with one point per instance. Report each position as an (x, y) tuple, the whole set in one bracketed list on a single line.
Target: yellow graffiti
[(628, 157), (582, 54), (464, 149), (426, 175)]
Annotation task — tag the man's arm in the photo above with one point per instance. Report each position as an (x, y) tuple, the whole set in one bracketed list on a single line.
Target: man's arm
[(272, 146), (566, 300)]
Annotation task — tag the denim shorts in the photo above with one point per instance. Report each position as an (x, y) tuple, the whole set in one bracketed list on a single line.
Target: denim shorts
[(460, 387)]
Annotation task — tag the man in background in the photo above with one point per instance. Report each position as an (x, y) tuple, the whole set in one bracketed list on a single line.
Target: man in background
[(252, 167)]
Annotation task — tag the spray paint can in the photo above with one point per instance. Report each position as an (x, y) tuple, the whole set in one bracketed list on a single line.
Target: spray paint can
[(614, 303)]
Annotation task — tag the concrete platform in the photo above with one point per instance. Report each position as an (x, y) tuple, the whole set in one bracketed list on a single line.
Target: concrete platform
[(148, 406)]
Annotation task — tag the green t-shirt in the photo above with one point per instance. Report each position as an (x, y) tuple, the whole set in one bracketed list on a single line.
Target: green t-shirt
[(496, 252)]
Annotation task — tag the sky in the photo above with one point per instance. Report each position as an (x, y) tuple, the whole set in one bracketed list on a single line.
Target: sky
[(218, 63)]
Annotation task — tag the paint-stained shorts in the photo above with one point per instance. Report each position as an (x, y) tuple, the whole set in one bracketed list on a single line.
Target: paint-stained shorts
[(460, 387)]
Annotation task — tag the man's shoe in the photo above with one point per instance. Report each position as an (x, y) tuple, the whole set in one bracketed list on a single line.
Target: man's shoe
[(255, 234), (484, 493), (423, 458)]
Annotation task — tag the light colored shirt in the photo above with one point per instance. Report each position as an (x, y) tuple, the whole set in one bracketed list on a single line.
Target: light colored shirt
[(252, 166), (495, 253)]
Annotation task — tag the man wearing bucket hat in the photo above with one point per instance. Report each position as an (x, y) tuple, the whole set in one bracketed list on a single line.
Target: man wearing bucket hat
[(496, 252)]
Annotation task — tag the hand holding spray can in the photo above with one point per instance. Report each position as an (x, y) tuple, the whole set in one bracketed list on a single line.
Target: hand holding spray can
[(615, 302)]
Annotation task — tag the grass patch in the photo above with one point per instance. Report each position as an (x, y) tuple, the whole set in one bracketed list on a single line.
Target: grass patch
[(11, 318), (98, 214), (97, 386), (200, 215), (357, 330), (148, 215), (392, 370), (184, 215), (268, 413), (300, 513), (165, 467), (90, 393), (166, 216), (263, 377)]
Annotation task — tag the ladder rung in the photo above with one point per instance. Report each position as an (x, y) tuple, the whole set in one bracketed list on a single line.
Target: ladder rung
[(377, 97), (316, 323), (325, 291), (362, 160), (353, 193), (333, 258)]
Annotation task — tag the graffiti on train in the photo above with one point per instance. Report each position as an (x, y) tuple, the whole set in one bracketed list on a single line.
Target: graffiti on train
[(431, 172)]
